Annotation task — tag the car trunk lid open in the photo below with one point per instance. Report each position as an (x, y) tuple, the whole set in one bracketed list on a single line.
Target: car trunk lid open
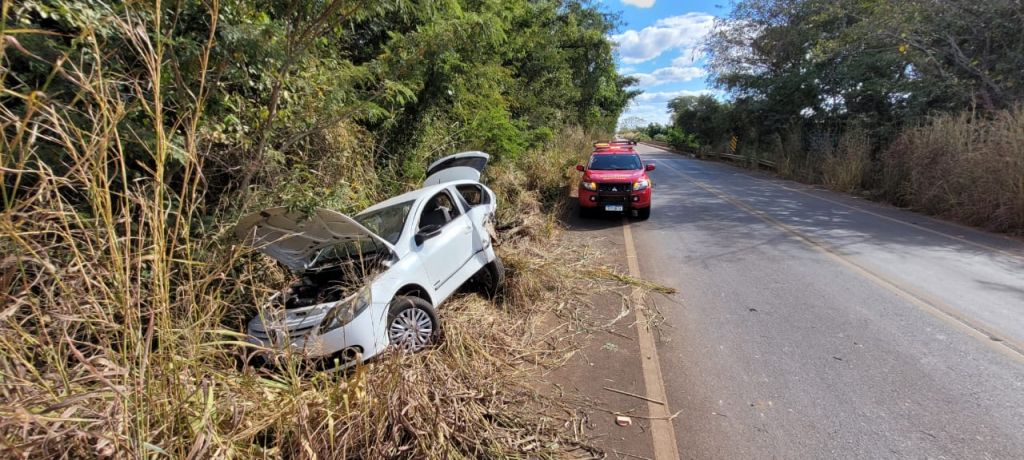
[(461, 166)]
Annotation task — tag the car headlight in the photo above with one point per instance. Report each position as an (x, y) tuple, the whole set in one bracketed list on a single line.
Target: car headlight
[(344, 312), (589, 185), (641, 185)]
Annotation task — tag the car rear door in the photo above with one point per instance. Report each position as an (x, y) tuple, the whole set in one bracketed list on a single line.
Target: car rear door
[(477, 201)]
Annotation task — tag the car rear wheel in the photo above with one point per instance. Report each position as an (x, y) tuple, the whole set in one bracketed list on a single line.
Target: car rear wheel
[(491, 278), (643, 213), (412, 324)]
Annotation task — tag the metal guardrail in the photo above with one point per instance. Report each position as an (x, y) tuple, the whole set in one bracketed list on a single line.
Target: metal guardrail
[(743, 158)]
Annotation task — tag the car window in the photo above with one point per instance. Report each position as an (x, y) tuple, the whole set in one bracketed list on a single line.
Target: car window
[(615, 162), (387, 222), (473, 194), (440, 210)]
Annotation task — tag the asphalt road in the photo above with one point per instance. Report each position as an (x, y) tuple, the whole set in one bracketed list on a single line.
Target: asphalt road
[(812, 324)]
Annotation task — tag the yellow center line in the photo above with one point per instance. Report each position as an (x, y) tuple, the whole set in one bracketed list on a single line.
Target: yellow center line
[(951, 315), (961, 239), (662, 432), (1005, 252)]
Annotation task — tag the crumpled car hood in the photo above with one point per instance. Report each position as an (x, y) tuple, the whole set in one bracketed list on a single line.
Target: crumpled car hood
[(294, 239)]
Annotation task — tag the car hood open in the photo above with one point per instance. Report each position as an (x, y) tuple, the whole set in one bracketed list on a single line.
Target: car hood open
[(461, 166), (294, 238)]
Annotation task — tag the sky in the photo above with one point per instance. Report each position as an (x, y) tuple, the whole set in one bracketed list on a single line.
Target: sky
[(659, 43)]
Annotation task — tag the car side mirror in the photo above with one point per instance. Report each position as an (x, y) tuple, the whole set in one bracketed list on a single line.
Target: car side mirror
[(426, 233), (580, 168), (650, 167)]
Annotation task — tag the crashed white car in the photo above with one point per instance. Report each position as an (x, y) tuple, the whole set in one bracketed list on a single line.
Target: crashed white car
[(374, 280)]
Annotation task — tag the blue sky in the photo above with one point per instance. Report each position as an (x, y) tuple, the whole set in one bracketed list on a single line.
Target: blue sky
[(659, 42)]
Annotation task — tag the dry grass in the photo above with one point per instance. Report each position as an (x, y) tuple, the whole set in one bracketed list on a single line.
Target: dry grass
[(966, 167), (845, 167), (91, 369)]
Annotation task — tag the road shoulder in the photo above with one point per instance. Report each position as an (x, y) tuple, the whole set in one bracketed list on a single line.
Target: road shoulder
[(604, 378)]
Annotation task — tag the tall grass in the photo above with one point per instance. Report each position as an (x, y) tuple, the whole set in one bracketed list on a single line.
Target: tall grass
[(122, 294), (965, 166), (845, 166)]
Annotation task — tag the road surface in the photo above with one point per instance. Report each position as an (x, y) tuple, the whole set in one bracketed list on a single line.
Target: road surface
[(811, 324)]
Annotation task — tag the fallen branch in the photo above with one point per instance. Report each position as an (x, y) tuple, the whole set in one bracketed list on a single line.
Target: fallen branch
[(634, 395)]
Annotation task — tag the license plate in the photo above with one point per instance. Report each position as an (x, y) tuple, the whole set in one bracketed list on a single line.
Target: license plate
[(613, 207)]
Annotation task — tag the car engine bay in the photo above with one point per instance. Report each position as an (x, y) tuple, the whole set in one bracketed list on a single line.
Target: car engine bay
[(331, 282)]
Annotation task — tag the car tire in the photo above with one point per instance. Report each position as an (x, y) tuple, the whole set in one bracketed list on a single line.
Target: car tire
[(412, 324), (491, 278), (643, 213), (586, 213)]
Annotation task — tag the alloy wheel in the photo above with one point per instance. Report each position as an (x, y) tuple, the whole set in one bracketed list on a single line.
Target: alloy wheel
[(411, 329)]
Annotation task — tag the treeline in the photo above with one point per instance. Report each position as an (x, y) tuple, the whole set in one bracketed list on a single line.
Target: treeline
[(312, 98), (913, 101)]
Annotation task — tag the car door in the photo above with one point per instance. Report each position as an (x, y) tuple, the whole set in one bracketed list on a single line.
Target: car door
[(447, 251), (478, 206)]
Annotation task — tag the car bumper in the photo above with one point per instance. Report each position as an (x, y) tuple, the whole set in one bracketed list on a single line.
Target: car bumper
[(630, 200), (358, 340)]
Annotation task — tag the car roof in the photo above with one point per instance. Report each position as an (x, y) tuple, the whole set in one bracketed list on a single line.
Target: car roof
[(614, 152), (416, 194), (407, 196)]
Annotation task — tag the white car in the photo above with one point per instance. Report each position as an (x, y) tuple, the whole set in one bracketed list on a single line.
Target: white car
[(374, 280)]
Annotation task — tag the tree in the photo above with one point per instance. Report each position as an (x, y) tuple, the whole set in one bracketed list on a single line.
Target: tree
[(702, 116)]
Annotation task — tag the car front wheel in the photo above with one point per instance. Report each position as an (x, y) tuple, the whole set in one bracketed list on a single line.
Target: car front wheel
[(643, 213), (412, 324)]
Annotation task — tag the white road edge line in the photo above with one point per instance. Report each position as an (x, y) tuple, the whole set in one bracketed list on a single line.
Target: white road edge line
[(663, 433)]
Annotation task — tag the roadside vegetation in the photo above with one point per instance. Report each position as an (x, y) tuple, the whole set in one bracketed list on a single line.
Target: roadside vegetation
[(135, 134), (914, 102)]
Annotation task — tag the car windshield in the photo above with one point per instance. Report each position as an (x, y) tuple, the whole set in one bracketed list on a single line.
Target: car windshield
[(387, 222), (614, 162)]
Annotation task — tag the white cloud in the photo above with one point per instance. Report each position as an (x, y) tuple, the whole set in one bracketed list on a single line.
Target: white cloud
[(627, 70), (669, 75), (639, 3), (684, 32), (665, 96), (652, 106)]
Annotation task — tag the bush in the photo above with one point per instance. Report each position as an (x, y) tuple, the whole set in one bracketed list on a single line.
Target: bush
[(680, 140), (964, 166)]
